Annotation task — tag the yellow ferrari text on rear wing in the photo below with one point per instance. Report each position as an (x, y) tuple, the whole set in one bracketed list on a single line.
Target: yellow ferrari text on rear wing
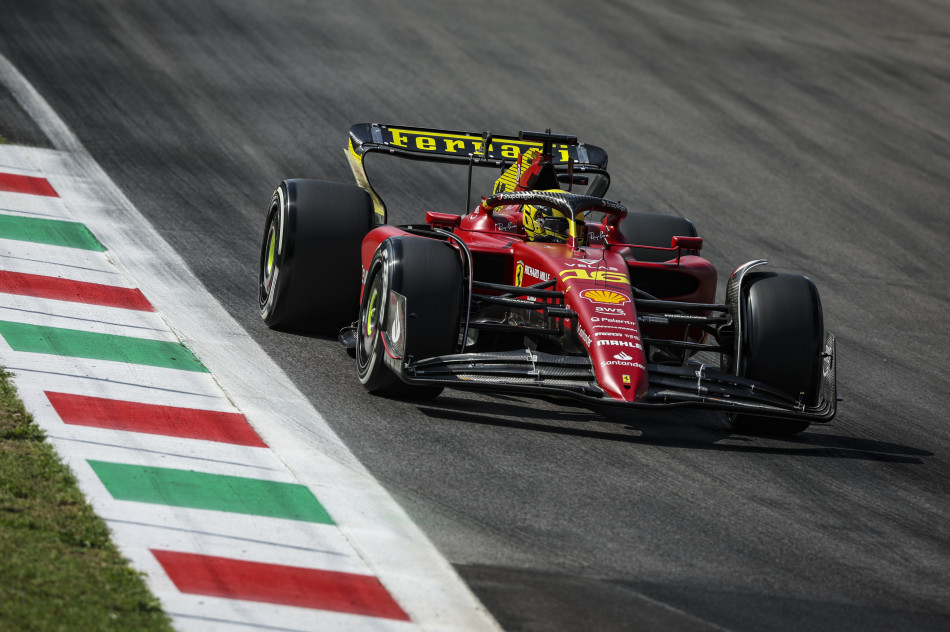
[(468, 148)]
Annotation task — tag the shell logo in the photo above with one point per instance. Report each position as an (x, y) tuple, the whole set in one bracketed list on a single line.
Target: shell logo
[(605, 296)]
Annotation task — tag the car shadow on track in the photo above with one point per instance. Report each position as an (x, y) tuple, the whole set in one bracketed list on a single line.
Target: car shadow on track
[(687, 429)]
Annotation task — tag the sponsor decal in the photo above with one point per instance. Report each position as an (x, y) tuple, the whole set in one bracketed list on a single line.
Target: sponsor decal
[(589, 263), (626, 329), (521, 269), (609, 297), (619, 321), (622, 359), (505, 226), (636, 365), (596, 236), (616, 311), (462, 144), (605, 276), (583, 335), (602, 334), (626, 378), (618, 343), (613, 343)]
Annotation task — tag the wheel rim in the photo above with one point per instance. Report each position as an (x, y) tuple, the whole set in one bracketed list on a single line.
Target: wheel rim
[(269, 268), (372, 317), (269, 262)]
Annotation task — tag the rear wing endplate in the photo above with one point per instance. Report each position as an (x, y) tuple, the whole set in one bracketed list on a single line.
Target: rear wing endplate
[(467, 148)]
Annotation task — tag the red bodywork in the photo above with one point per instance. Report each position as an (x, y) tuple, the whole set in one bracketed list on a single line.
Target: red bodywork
[(595, 280)]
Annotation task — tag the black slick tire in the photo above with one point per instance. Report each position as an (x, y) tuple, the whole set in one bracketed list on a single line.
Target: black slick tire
[(428, 273), (310, 255), (782, 338)]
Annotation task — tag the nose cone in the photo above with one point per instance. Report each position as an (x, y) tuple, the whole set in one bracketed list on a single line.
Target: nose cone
[(622, 372), (598, 289), (612, 338)]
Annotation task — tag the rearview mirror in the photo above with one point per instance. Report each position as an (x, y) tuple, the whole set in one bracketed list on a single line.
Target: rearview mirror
[(688, 243)]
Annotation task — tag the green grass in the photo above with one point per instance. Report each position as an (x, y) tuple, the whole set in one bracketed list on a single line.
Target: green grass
[(3, 141), (58, 568)]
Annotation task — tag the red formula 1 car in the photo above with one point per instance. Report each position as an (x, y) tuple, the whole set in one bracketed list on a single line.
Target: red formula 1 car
[(540, 289)]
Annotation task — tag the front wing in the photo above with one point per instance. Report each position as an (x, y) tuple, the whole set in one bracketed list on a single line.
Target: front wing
[(694, 385)]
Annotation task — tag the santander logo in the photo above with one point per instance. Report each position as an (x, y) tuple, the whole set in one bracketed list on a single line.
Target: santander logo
[(623, 359)]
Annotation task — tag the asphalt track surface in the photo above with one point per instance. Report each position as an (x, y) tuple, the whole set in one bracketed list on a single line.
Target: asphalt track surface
[(811, 133)]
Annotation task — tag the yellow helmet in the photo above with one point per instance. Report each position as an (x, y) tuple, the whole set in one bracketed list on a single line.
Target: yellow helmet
[(544, 223)]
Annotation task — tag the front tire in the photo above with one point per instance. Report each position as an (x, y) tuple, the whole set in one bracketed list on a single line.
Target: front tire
[(428, 275), (782, 341), (310, 255)]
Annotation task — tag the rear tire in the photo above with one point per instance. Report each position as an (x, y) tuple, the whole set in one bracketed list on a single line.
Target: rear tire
[(782, 340), (310, 255), (428, 274), (653, 229)]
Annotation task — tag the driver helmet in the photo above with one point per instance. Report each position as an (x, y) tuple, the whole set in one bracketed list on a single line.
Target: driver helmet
[(547, 224)]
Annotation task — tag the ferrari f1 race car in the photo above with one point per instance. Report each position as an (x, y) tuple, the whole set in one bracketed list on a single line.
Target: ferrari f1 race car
[(540, 288)]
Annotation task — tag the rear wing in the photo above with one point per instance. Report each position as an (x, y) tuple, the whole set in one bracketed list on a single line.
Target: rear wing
[(467, 148)]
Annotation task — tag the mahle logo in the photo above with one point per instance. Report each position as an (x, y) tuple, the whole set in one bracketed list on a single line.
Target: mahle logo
[(618, 343)]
